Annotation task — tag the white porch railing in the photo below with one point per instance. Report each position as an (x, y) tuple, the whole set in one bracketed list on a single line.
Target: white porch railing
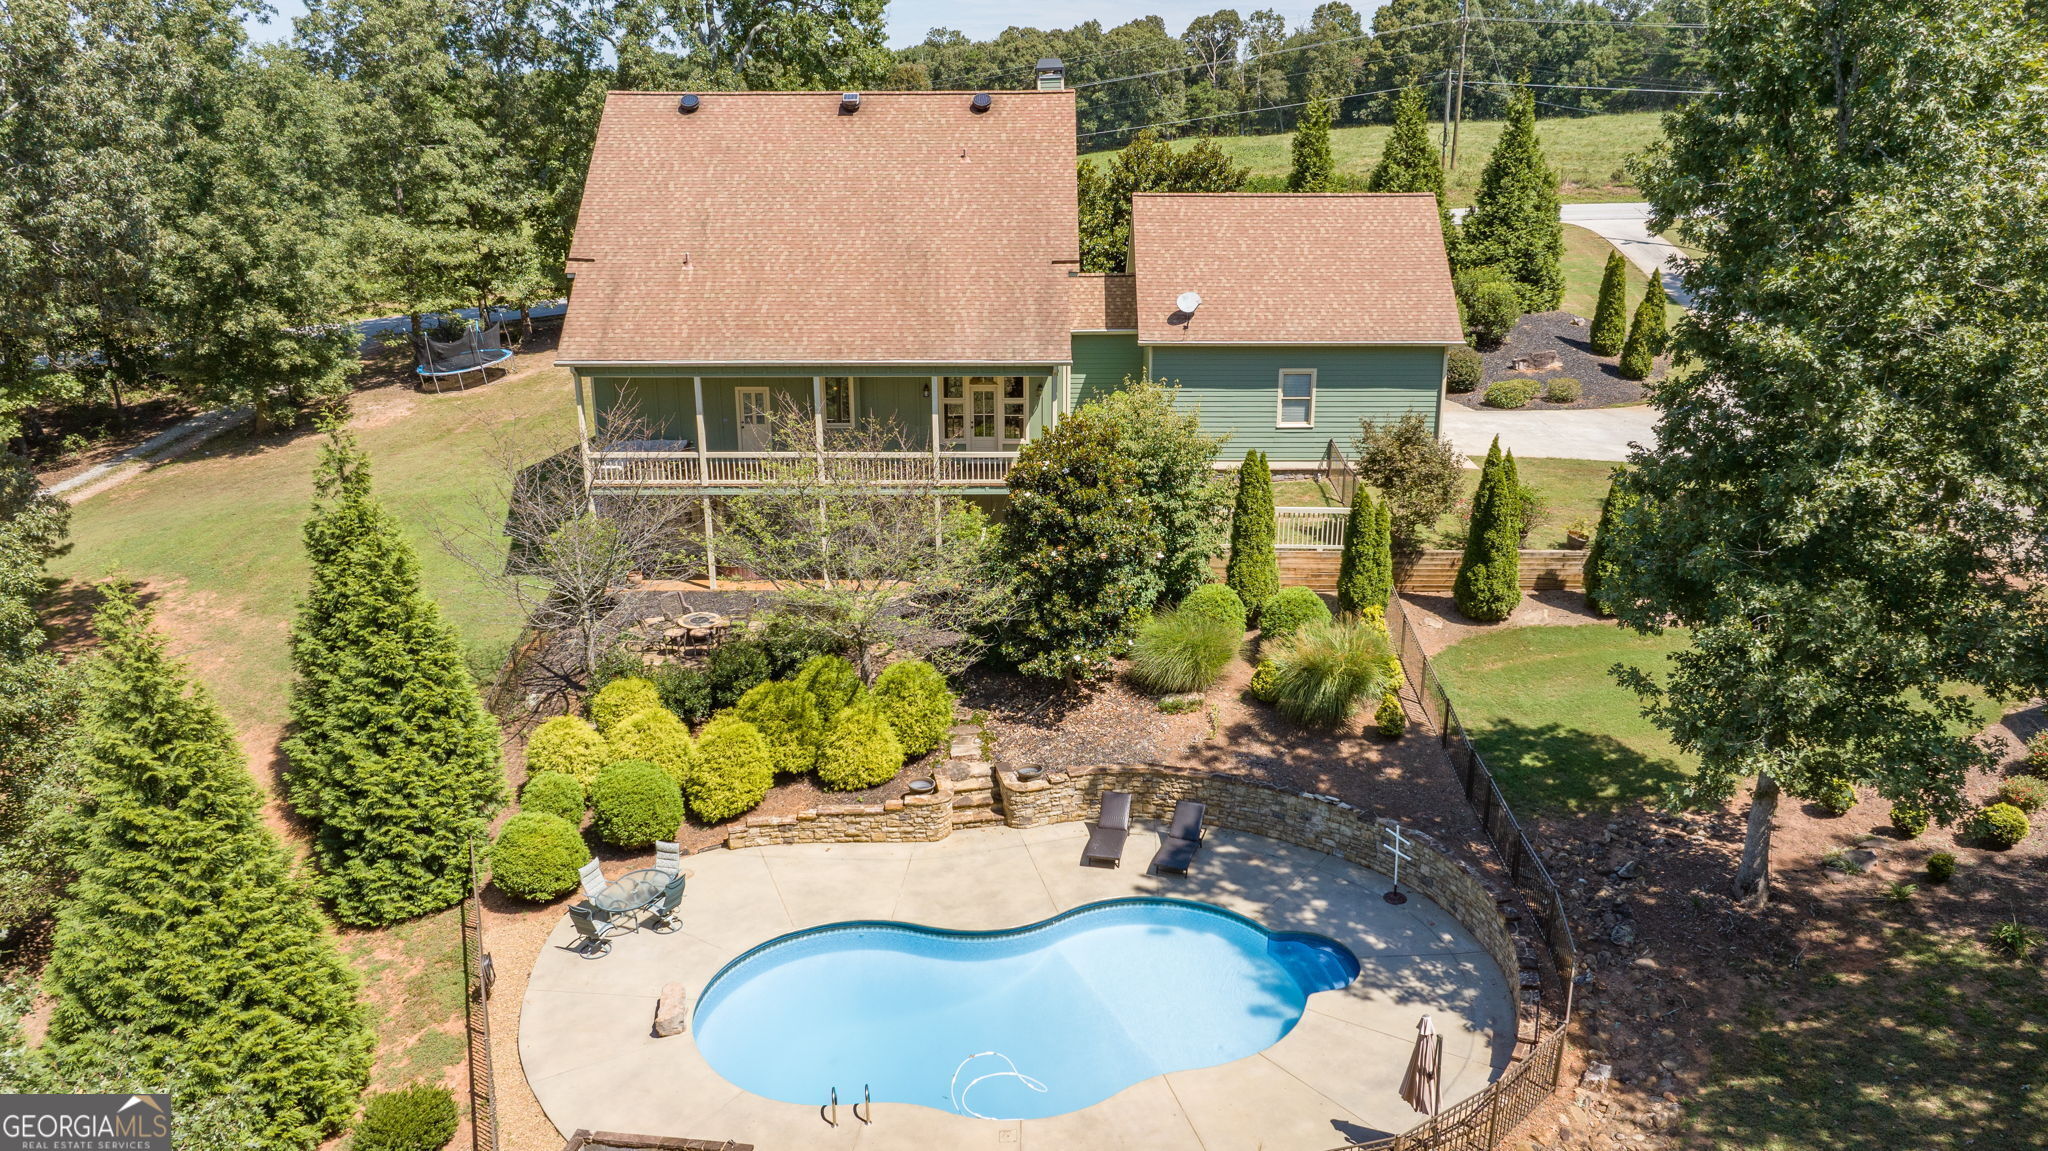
[(1309, 529), (687, 468)]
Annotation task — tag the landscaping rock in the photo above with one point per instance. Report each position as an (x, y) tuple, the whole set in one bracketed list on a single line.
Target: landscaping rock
[(671, 1011)]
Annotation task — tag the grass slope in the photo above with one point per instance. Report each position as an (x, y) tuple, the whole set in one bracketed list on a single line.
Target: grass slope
[(1585, 262), (1590, 153), (1574, 489)]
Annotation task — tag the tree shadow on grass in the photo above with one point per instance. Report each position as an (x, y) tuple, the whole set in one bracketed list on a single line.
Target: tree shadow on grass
[(1556, 768)]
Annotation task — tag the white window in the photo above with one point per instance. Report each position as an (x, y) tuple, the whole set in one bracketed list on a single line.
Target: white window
[(1297, 399), (839, 401)]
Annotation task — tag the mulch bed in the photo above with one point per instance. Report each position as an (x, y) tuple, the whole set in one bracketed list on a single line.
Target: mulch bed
[(1565, 333)]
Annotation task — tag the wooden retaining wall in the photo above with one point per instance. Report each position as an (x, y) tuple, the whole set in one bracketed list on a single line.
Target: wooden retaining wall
[(1431, 572)]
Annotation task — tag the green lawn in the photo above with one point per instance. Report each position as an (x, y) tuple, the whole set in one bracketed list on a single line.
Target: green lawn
[(1573, 489), (216, 533), (1585, 262), (1925, 1041), (1588, 153)]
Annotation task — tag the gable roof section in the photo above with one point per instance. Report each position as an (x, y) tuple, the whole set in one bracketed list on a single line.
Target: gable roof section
[(1292, 268), (768, 227), (1104, 302)]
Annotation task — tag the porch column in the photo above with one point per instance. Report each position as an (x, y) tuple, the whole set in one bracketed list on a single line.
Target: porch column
[(935, 429), (703, 464), (818, 421), (710, 550)]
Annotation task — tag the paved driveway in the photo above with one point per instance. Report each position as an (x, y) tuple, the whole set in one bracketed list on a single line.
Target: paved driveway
[(1569, 433), (1626, 226), (585, 1047)]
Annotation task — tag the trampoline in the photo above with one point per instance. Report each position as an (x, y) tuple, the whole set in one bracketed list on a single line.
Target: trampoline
[(475, 350)]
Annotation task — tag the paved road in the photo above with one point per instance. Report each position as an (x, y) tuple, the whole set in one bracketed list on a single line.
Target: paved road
[(1626, 226), (1573, 433)]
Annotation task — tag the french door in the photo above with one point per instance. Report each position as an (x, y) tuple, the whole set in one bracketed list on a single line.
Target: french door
[(756, 431), (985, 413)]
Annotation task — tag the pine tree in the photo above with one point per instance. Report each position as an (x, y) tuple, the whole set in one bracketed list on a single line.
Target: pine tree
[(1410, 163), (1313, 166), (186, 945), (1610, 315), (1489, 576), (1513, 224), (1365, 574), (1645, 332), (1253, 571), (393, 757)]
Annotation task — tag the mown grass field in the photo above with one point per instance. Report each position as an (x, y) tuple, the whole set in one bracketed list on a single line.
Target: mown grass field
[(1590, 153), (1572, 488)]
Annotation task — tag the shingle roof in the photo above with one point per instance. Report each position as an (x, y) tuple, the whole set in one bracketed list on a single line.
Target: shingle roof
[(1104, 301), (767, 227), (1292, 268)]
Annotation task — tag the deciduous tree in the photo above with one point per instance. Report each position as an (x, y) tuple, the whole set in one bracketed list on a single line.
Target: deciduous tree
[(1146, 164), (1413, 470)]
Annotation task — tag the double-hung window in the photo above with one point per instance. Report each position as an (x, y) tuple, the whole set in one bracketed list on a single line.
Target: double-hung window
[(839, 401), (1297, 399)]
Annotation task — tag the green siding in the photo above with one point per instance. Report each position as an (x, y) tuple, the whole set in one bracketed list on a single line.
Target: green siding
[(1237, 391), (899, 404), (1101, 363)]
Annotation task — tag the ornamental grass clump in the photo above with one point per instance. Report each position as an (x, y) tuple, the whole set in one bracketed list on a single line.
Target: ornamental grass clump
[(620, 700), (555, 794), (787, 717), (860, 749), (568, 744), (1323, 675), (1287, 611), (659, 738), (536, 855), (1179, 651), (917, 703), (735, 769), (633, 803), (418, 1118)]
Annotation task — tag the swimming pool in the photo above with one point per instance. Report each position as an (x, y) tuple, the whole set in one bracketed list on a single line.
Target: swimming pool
[(1017, 1024)]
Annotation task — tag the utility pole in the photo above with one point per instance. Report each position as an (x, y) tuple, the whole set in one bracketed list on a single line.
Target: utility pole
[(1458, 98)]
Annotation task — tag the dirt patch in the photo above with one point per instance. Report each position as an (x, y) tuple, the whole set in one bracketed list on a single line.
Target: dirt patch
[(1569, 337), (1439, 623)]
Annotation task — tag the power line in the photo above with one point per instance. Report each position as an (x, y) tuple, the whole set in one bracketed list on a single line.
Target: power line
[(1249, 111), (1596, 88), (1601, 23), (1258, 56)]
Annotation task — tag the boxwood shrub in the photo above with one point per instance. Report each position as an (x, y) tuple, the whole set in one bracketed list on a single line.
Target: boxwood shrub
[(1391, 718), (1941, 866), (1286, 610), (1837, 797), (860, 750), (787, 717), (633, 803), (1216, 601), (1562, 390), (620, 699), (1910, 819), (832, 682), (536, 856), (735, 772), (567, 744), (659, 738), (735, 668), (917, 703), (416, 1119), (1263, 675), (1510, 393), (2001, 825), (1463, 371), (555, 793)]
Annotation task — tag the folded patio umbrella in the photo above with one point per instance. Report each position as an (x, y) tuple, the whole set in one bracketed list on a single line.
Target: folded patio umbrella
[(1422, 1086)]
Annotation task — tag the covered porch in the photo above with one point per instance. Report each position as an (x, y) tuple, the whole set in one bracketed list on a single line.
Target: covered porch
[(956, 427)]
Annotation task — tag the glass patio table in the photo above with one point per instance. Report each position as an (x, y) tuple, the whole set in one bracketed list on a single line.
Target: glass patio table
[(632, 891)]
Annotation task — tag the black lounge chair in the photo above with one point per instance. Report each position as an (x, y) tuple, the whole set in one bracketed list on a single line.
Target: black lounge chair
[(593, 924), (1111, 827), (1177, 845)]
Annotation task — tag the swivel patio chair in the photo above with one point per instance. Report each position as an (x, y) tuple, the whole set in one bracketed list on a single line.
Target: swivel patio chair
[(1111, 828), (591, 876), (665, 918), (668, 857), (593, 924)]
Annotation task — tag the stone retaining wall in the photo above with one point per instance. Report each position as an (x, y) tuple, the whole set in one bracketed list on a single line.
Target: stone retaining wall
[(912, 819)]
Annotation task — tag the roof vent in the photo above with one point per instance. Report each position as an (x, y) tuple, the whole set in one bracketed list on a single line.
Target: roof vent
[(1052, 74), (849, 103), (980, 103), (688, 104)]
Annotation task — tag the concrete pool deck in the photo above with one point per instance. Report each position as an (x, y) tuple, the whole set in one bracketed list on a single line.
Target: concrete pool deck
[(586, 1044)]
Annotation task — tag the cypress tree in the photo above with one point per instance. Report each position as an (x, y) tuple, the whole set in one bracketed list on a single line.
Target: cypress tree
[(1610, 316), (1253, 571), (1410, 163), (1313, 166), (1513, 224), (1489, 576), (1645, 332), (393, 757), (1598, 566), (1365, 574), (187, 946)]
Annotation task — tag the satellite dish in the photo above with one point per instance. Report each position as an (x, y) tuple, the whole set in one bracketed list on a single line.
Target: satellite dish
[(1188, 302)]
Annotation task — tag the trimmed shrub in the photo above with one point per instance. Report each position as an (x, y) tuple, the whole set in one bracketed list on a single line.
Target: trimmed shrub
[(832, 683), (1216, 601), (1645, 332), (1253, 571), (2001, 825), (734, 669), (917, 703), (1287, 610), (1941, 866), (621, 699), (1510, 393), (787, 717), (1365, 571), (2026, 792), (685, 691), (1463, 371), (1489, 581), (1562, 390), (1495, 309), (656, 737), (1391, 718), (1264, 676), (1328, 669), (1610, 315), (1178, 651), (418, 1118), (790, 642), (536, 856), (860, 750), (633, 803), (1911, 820), (567, 744), (1836, 798), (553, 793), (736, 767)]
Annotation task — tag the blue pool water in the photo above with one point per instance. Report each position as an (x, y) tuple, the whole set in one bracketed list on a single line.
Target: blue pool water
[(1016, 1024)]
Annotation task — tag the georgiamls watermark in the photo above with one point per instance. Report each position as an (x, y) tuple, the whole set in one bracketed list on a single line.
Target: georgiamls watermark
[(85, 1123)]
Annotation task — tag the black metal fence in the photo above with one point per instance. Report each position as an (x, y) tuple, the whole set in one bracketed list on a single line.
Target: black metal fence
[(477, 976)]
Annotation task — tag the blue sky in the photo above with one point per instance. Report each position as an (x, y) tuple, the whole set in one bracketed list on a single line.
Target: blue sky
[(979, 19)]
